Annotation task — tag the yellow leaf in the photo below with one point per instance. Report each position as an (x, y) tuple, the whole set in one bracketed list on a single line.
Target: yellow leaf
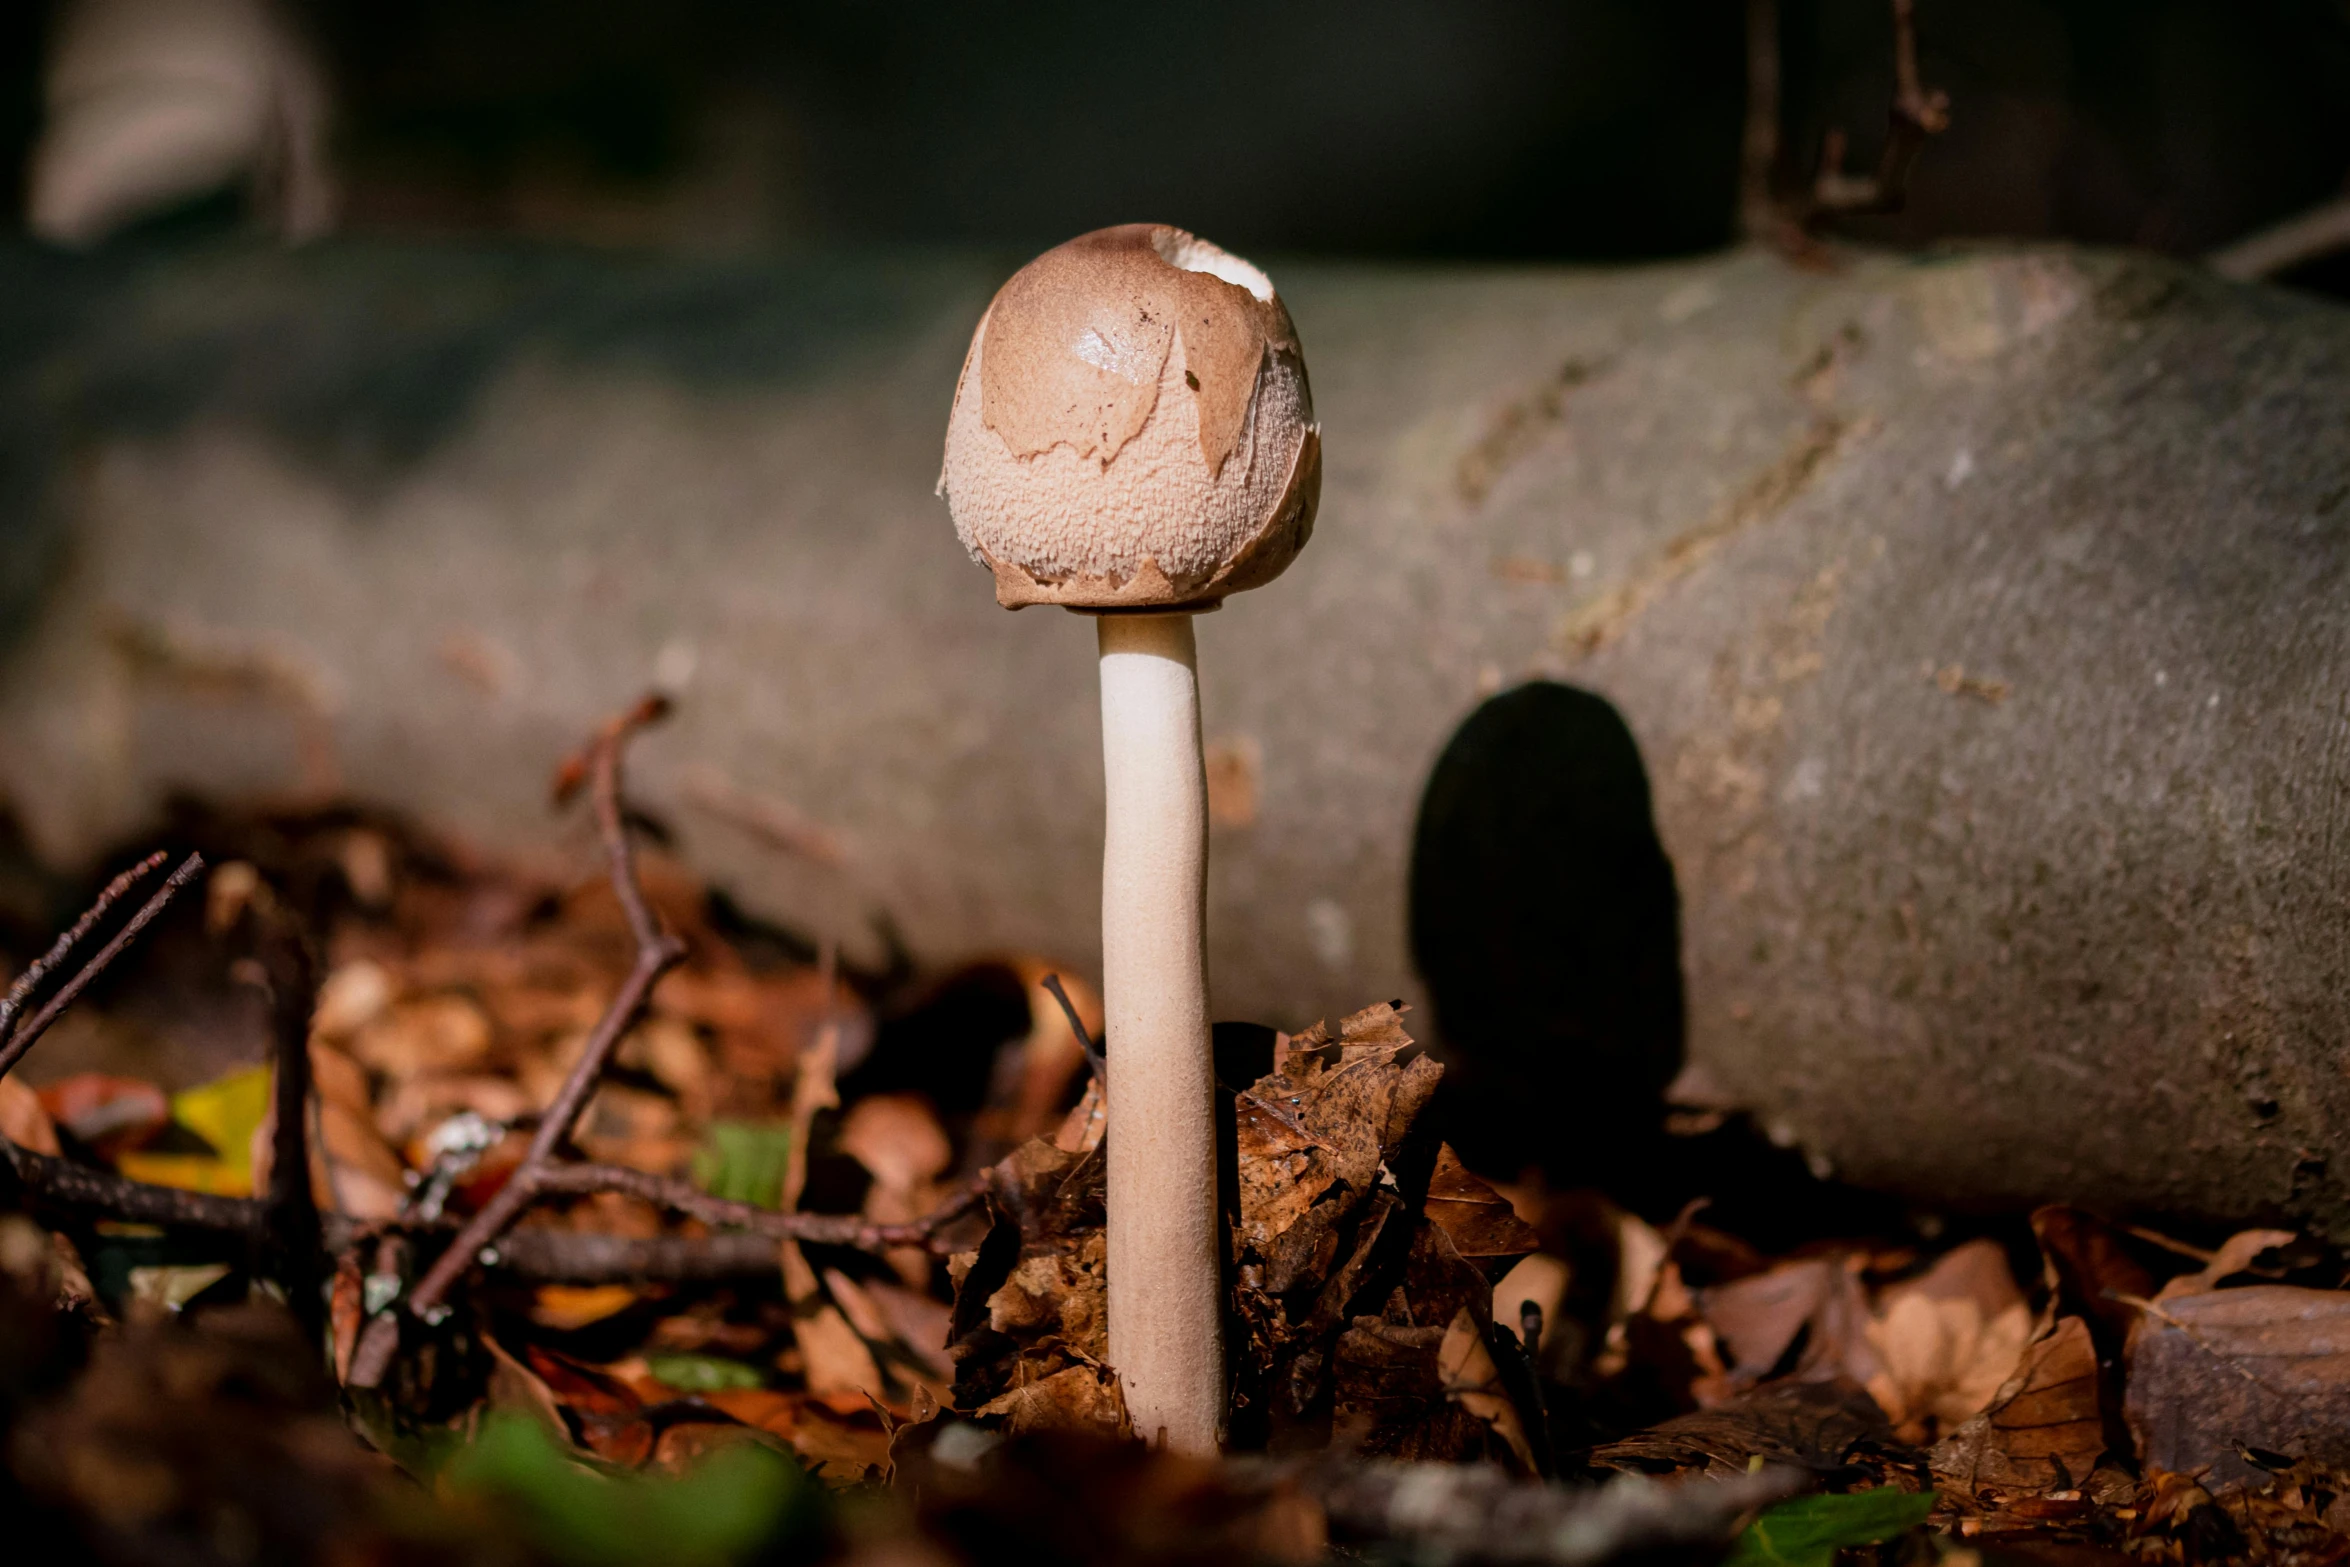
[(567, 1307), (225, 1113), (191, 1172)]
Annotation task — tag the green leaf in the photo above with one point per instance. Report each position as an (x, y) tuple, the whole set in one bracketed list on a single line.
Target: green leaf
[(715, 1513), (744, 1161), (1810, 1530), (702, 1373)]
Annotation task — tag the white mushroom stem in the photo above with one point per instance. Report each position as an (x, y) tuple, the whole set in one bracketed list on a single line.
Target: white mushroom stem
[(1165, 1301)]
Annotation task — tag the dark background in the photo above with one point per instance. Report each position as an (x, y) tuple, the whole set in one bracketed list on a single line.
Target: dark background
[(1490, 129)]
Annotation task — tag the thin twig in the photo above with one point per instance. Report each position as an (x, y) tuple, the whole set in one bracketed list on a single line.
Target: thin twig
[(64, 1189), (14, 1001), (816, 1229), (548, 1256), (1790, 222), (777, 823), (1917, 113), (2305, 237), (658, 950), (1094, 1057), (38, 1024)]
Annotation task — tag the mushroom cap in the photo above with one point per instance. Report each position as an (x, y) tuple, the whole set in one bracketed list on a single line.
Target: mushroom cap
[(1133, 427)]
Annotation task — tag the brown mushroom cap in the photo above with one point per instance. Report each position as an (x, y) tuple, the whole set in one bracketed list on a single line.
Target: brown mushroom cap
[(1133, 427)]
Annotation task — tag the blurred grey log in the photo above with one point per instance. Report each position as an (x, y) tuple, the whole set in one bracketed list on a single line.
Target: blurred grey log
[(1982, 621)]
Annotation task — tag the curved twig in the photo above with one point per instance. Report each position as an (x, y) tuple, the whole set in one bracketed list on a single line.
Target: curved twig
[(658, 950)]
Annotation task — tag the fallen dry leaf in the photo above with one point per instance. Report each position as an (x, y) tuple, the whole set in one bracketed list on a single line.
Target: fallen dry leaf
[(23, 1121), (515, 1389), (1031, 1300), (844, 1443), (569, 1307), (339, 1080), (1313, 1137), (604, 1413), (1483, 1228), (352, 996), (354, 1170), (426, 1034), (2236, 1254), (110, 1114), (1946, 1341), (918, 1326), (834, 1357), (2091, 1267), (1347, 1280), (1820, 1301), (898, 1139), (2266, 1366), (1083, 1397), (2045, 1428), (775, 1412), (668, 1049), (682, 1446), (1466, 1371), (1810, 1425), (1389, 1397)]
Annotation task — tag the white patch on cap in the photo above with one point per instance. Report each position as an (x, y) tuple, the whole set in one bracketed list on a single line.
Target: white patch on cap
[(1194, 254)]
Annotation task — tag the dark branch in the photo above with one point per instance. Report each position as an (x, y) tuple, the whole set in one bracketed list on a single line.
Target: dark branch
[(61, 1189), (816, 1229), (51, 1185), (42, 966), (544, 1256), (291, 1243), (38, 1024)]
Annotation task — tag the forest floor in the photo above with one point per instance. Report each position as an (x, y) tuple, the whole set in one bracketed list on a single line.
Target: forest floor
[(628, 1227)]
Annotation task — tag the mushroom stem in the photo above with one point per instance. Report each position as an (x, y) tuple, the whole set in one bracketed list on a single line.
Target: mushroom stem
[(1165, 1296)]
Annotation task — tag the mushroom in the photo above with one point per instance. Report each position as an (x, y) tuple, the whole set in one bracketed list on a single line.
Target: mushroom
[(1133, 438)]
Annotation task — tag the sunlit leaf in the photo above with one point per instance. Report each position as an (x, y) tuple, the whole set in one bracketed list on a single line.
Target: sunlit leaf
[(1809, 1530), (702, 1373), (744, 1161), (225, 1113)]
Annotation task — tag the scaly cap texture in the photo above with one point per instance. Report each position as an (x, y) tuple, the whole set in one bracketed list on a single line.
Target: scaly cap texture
[(1133, 427)]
